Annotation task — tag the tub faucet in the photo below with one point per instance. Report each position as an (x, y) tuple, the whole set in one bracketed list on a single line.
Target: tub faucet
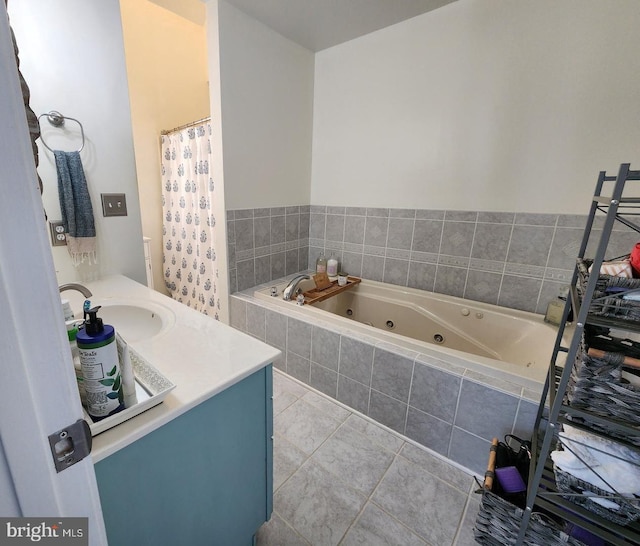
[(292, 288), (75, 286)]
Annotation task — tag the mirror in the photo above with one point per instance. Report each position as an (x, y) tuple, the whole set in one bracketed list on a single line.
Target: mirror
[(74, 56)]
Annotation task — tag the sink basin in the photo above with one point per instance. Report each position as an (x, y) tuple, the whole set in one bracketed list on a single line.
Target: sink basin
[(136, 321)]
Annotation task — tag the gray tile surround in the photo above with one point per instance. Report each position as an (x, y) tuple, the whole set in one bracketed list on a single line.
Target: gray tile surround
[(266, 243), (454, 411), (516, 260), (452, 251), (429, 430), (362, 484), (356, 360)]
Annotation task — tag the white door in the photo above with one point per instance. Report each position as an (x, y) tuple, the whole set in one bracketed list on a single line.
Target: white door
[(36, 381)]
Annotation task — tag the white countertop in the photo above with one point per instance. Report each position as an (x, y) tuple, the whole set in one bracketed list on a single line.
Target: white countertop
[(197, 353)]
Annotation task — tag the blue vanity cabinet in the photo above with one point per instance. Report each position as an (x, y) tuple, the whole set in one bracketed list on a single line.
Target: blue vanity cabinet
[(204, 478)]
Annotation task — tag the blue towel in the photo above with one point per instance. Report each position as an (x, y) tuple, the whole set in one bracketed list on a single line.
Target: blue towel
[(75, 205)]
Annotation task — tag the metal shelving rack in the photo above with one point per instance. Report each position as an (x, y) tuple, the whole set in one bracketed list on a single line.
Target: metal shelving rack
[(542, 493)]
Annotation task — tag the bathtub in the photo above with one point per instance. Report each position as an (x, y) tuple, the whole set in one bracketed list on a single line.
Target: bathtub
[(504, 343)]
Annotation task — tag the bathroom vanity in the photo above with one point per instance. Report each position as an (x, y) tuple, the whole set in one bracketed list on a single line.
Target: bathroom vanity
[(197, 468)]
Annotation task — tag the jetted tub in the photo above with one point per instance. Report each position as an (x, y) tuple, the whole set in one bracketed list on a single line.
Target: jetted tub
[(504, 343)]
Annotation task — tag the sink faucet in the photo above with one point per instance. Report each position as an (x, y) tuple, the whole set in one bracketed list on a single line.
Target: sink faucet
[(75, 286), (292, 288)]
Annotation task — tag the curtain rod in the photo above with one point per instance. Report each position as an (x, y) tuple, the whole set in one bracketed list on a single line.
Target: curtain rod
[(192, 124)]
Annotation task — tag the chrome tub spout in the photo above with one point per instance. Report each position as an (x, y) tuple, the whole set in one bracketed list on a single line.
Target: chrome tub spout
[(292, 288)]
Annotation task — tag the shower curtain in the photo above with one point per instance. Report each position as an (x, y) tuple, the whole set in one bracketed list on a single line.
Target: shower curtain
[(188, 193)]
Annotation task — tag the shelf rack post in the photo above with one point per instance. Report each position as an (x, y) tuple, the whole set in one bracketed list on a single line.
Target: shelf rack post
[(581, 310)]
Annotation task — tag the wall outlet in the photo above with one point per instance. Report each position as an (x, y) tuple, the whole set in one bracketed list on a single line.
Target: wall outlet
[(114, 204), (58, 237)]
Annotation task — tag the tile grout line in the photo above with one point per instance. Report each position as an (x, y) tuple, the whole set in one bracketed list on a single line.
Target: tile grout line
[(337, 476), (290, 526), (413, 233), (338, 366), (455, 415), (292, 474), (462, 518), (433, 474), (386, 248), (406, 418), (310, 350), (506, 259), (369, 499), (473, 240), (286, 343), (435, 277), (515, 417), (324, 234), (373, 360), (414, 531), (546, 265), (310, 455), (437, 477)]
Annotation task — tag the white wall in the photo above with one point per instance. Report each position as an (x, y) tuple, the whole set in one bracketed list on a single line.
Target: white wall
[(72, 57), (166, 57), (480, 105), (267, 108), (217, 158)]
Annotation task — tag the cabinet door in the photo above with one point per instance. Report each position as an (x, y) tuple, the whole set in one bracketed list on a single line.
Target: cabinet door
[(204, 478)]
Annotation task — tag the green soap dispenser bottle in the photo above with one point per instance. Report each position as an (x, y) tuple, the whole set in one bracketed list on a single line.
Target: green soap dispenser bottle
[(100, 366), (72, 333)]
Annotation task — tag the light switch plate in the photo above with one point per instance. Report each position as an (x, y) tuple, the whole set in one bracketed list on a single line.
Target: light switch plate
[(114, 204), (58, 237)]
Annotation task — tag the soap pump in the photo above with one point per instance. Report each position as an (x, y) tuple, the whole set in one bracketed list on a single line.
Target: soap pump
[(100, 366)]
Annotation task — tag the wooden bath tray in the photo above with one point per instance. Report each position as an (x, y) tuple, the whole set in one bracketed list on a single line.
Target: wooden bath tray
[(315, 295)]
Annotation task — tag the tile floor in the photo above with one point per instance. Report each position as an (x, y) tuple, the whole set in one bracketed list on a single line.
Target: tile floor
[(341, 479)]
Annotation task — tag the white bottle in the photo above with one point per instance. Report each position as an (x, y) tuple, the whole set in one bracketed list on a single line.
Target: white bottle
[(126, 369), (332, 267), (66, 309)]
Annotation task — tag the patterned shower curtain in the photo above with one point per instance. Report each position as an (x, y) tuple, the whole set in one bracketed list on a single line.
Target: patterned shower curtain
[(188, 192)]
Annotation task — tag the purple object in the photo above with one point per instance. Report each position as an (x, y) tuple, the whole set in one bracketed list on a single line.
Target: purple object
[(510, 479), (585, 536), (613, 289)]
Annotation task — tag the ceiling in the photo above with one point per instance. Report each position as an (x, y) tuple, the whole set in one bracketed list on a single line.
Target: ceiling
[(316, 24), (194, 10), (319, 24)]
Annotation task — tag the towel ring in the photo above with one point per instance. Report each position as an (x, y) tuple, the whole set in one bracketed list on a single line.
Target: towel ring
[(57, 120)]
